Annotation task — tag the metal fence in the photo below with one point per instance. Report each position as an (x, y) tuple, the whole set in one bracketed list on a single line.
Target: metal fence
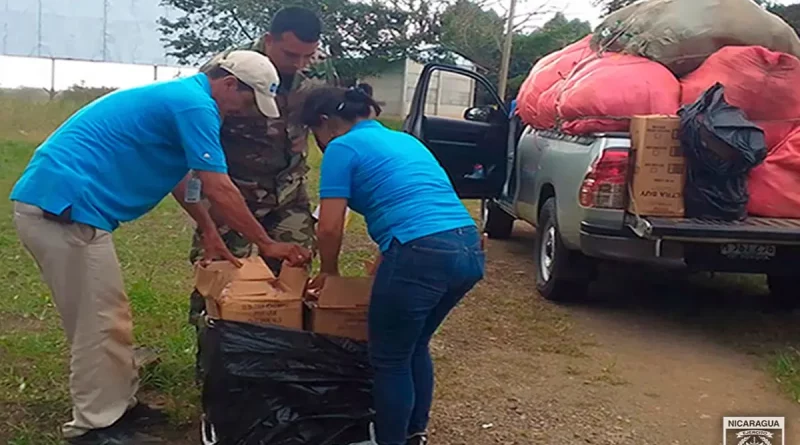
[(54, 74), (122, 31)]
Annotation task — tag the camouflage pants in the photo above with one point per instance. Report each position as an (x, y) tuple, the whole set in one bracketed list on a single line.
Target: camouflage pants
[(292, 224)]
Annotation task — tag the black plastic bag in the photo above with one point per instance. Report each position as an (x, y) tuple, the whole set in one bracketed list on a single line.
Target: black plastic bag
[(721, 146), (275, 386)]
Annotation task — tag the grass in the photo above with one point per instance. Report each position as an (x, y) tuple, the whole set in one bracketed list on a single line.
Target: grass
[(32, 121), (153, 253), (786, 368)]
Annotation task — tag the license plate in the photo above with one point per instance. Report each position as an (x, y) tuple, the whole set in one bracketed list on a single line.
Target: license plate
[(741, 251)]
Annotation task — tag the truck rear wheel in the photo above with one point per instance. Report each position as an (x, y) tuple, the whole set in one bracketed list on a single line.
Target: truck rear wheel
[(561, 275), (783, 292), (496, 222)]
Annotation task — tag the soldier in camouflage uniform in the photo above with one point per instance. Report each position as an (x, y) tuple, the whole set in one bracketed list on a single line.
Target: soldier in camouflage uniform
[(267, 157)]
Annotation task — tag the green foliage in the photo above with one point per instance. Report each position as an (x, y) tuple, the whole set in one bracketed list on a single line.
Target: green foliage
[(554, 35), (477, 34), (365, 38), (31, 114), (80, 93), (34, 364), (362, 38), (789, 13), (473, 32)]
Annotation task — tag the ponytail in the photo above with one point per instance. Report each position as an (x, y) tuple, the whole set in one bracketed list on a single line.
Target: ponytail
[(347, 104)]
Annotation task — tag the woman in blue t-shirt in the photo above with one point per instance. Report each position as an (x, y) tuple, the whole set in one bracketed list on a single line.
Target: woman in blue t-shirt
[(431, 253)]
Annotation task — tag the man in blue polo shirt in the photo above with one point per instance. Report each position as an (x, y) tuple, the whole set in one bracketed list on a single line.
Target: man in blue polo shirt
[(112, 162)]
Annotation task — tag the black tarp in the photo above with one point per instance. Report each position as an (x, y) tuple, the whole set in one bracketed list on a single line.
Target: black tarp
[(275, 386), (721, 146)]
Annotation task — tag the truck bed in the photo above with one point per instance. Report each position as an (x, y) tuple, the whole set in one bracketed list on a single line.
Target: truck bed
[(754, 229)]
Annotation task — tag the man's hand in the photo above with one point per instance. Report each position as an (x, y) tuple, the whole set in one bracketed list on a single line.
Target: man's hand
[(318, 282), (214, 248), (293, 254), (228, 204)]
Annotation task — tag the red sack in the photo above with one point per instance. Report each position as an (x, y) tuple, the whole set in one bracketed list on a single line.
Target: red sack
[(547, 71), (774, 186), (603, 94), (763, 83), (546, 114)]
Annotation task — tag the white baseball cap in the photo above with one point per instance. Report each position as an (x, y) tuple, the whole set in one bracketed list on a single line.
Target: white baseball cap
[(256, 71)]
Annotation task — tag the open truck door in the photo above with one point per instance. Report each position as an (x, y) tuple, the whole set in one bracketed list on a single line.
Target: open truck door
[(458, 115)]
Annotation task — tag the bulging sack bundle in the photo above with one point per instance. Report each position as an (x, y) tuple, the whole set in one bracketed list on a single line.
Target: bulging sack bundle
[(547, 109), (603, 93), (774, 186), (548, 71), (681, 34), (764, 84)]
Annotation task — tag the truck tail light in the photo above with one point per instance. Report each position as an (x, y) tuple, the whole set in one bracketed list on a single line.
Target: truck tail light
[(605, 184)]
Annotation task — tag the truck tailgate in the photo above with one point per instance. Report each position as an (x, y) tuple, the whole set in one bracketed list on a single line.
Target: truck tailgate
[(752, 229)]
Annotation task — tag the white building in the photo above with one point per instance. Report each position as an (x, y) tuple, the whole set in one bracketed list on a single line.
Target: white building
[(448, 95)]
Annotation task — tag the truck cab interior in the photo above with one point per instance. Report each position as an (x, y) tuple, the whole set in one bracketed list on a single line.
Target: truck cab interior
[(467, 129)]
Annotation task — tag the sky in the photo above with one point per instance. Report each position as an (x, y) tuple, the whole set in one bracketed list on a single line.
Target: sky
[(35, 72)]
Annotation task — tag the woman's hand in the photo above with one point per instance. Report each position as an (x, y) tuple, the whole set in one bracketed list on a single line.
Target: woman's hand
[(318, 282), (293, 254)]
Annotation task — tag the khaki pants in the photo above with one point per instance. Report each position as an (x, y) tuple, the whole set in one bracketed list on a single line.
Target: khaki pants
[(80, 266)]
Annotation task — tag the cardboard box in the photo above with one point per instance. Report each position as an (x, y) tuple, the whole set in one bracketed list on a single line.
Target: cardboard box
[(252, 294), (658, 170), (341, 308)]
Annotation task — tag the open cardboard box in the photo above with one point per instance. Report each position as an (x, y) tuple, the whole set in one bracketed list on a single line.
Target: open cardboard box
[(252, 293), (340, 309)]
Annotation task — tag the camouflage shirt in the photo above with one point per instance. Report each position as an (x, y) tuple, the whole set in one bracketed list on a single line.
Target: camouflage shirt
[(267, 157)]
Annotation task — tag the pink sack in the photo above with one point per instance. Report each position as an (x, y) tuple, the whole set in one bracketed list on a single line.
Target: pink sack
[(764, 84), (548, 71), (604, 93), (774, 185)]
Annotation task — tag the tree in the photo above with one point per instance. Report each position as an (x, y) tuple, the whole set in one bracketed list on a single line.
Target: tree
[(477, 34), (529, 48), (471, 29), (473, 32), (789, 13), (361, 38)]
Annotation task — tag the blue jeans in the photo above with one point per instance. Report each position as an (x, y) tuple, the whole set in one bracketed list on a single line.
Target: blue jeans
[(416, 286)]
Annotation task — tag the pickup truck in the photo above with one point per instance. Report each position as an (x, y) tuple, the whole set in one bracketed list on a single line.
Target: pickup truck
[(572, 189)]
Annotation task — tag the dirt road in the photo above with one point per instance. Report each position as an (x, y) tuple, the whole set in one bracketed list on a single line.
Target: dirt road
[(649, 360)]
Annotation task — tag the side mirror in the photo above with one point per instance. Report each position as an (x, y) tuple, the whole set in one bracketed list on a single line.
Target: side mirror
[(477, 114)]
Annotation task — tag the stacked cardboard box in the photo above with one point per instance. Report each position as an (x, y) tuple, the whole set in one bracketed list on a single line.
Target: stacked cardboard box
[(252, 294), (657, 173)]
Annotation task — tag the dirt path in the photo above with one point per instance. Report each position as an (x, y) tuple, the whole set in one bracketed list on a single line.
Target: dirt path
[(655, 361), (648, 361)]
